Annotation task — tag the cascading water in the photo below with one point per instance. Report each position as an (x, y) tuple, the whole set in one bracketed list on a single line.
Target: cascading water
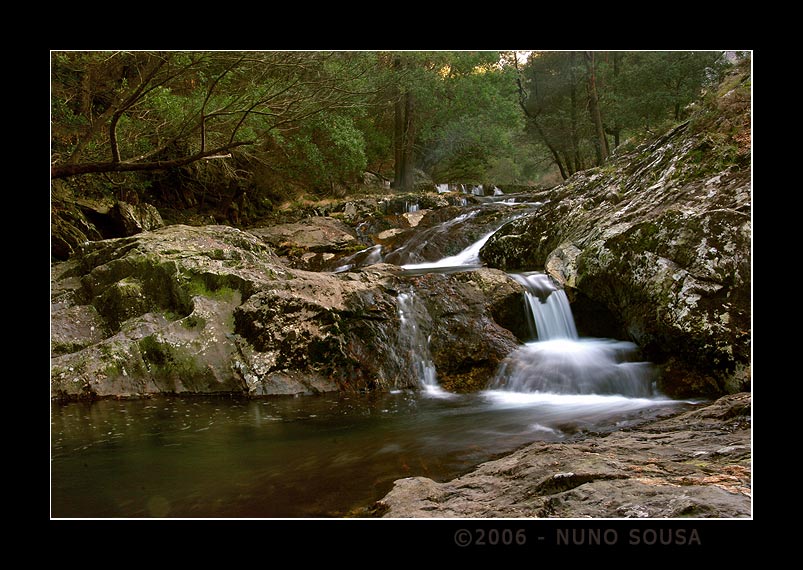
[(367, 256), (469, 257), (549, 315), (559, 362), (413, 251), (416, 345)]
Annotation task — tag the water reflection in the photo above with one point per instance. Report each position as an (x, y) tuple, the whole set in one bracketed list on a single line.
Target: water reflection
[(314, 456)]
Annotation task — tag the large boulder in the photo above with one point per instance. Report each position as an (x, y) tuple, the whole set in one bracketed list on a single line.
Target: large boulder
[(213, 310), (659, 240), (76, 220)]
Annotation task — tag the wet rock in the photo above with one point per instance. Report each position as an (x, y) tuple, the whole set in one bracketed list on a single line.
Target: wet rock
[(466, 342), (503, 298), (693, 464), (73, 325), (164, 301), (444, 232), (132, 219), (341, 330)]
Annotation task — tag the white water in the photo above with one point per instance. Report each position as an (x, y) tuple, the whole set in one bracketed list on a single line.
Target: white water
[(559, 365), (469, 257), (416, 345), (557, 371), (367, 256), (550, 315), (412, 248)]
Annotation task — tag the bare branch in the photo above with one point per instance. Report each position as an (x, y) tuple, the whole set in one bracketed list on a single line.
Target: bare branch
[(67, 170)]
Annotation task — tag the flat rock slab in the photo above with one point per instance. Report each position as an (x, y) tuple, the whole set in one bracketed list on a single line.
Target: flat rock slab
[(695, 464)]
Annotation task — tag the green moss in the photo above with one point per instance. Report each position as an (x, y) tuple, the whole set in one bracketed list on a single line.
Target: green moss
[(165, 360), (208, 286), (192, 322), (153, 351)]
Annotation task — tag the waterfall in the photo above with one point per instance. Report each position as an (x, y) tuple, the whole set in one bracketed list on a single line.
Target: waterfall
[(442, 188), (559, 362), (415, 344), (411, 250), (550, 315)]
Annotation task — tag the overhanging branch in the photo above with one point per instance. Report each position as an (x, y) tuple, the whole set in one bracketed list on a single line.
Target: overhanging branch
[(66, 170)]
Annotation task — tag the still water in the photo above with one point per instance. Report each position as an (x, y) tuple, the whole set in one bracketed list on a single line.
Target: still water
[(311, 456)]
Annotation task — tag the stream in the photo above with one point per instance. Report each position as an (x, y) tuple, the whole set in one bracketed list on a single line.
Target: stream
[(334, 455)]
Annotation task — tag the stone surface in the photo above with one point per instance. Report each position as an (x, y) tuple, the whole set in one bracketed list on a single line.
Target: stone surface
[(310, 243), (694, 464), (465, 340)]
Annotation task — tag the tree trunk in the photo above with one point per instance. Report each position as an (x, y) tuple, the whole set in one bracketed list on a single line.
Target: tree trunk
[(603, 151), (616, 128), (554, 151), (408, 156), (66, 170), (398, 143), (400, 127), (575, 139)]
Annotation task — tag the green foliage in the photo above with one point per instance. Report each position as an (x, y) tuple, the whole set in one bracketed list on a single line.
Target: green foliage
[(638, 93), (465, 111), (325, 150), (317, 120), (650, 90)]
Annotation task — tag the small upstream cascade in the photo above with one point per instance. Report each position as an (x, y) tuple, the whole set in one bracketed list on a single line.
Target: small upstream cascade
[(557, 361), (468, 258)]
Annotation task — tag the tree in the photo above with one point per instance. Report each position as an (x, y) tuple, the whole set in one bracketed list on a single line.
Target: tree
[(144, 111), (473, 120), (548, 87), (618, 92), (403, 127), (649, 90), (601, 141)]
